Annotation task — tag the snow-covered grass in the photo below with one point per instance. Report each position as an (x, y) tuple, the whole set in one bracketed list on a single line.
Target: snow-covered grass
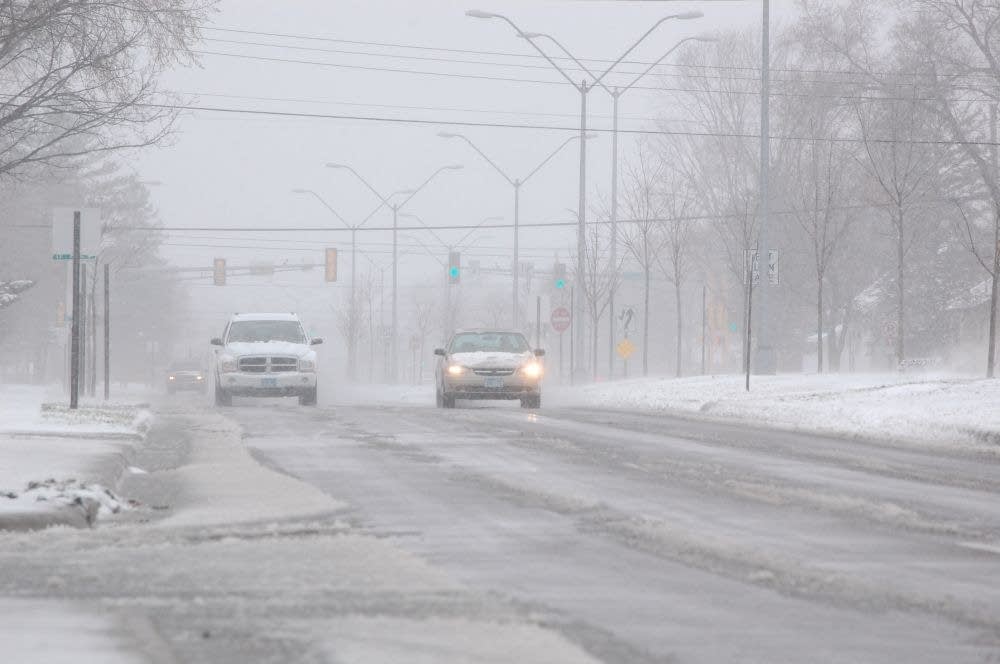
[(931, 409), (57, 461)]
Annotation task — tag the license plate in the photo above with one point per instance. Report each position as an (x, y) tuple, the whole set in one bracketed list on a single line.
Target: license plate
[(494, 382), (268, 382)]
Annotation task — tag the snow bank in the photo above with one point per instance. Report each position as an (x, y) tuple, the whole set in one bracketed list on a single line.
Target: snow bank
[(939, 410), (55, 464)]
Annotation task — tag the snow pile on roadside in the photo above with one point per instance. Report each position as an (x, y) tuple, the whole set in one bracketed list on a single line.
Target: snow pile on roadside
[(91, 500), (926, 408), (113, 417), (55, 462)]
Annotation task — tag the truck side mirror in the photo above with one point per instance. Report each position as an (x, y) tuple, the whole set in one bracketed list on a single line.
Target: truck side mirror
[(315, 342), (216, 341), (439, 351), (539, 352)]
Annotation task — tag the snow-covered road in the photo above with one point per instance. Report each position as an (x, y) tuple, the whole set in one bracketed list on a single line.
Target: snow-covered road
[(660, 537), (488, 533)]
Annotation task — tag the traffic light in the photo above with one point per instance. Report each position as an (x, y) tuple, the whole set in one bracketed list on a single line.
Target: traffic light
[(559, 275), (454, 267), (219, 271), (331, 264)]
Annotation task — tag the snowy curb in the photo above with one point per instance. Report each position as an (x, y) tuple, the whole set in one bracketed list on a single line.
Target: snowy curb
[(79, 498)]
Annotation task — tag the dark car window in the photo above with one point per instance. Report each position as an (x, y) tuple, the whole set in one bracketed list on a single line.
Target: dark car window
[(250, 331), (185, 365), (488, 342)]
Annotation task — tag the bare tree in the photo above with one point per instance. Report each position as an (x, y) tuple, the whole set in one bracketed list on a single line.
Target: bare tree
[(643, 203), (596, 283), (81, 77), (816, 198), (676, 259), (424, 319)]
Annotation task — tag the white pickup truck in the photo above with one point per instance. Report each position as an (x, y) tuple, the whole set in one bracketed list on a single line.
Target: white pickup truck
[(265, 355)]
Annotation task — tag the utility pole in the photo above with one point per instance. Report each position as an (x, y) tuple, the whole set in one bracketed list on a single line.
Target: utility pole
[(581, 227), (766, 358), (107, 331), (74, 361)]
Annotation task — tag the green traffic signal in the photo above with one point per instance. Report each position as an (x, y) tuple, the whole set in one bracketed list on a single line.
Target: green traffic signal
[(560, 283)]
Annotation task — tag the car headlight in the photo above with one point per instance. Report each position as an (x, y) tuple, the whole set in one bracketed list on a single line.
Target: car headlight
[(171, 378), (456, 370), (199, 377), (532, 370), (227, 364), (307, 365)]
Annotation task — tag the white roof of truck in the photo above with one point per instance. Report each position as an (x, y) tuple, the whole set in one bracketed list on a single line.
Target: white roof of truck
[(264, 316)]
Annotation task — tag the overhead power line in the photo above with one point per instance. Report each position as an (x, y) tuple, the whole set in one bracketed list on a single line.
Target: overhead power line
[(685, 69), (562, 58), (555, 82), (503, 125), (543, 224)]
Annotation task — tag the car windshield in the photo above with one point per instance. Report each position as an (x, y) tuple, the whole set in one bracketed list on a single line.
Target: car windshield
[(185, 365), (250, 331), (489, 342)]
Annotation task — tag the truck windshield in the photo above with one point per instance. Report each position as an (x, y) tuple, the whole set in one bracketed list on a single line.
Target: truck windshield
[(489, 342), (250, 331)]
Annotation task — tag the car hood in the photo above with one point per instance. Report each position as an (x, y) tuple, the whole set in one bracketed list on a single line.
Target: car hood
[(241, 349), (484, 360)]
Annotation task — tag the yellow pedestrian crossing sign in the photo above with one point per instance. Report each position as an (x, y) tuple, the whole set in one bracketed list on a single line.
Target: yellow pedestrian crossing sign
[(625, 349)]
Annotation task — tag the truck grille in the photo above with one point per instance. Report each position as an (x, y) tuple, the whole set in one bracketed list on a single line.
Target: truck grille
[(268, 364), (284, 364), (493, 372)]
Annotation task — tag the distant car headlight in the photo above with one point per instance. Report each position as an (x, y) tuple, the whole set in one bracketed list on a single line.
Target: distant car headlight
[(198, 377), (307, 365), (532, 370), (171, 378), (456, 370), (227, 364)]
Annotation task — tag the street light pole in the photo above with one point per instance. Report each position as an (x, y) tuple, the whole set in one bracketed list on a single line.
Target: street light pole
[(516, 184), (395, 291), (583, 88), (616, 94), (614, 232), (352, 354), (396, 207)]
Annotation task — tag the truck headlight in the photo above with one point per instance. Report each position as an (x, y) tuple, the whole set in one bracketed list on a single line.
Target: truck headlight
[(227, 364), (456, 370), (307, 365), (532, 370)]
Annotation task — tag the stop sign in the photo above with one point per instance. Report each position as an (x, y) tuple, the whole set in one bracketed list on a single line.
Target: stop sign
[(561, 319)]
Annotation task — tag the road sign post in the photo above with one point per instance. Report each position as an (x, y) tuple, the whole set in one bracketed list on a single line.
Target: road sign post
[(107, 331)]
